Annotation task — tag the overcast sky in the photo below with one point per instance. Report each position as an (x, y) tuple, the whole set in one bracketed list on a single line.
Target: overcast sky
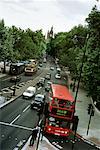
[(42, 14)]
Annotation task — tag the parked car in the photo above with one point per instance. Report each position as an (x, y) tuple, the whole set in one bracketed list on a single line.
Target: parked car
[(29, 92), (58, 76), (48, 76), (15, 78), (41, 82), (47, 87), (38, 102)]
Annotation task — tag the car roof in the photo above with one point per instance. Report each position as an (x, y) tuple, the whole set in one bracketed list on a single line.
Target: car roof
[(40, 95), (31, 88), (49, 82), (42, 78)]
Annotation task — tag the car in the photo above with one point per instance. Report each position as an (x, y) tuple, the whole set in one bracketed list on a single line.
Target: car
[(15, 78), (29, 92), (58, 76), (58, 70), (48, 76), (51, 68), (44, 60), (41, 82), (40, 65), (38, 102), (47, 87)]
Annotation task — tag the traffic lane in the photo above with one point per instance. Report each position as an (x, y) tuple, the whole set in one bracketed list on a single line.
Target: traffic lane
[(11, 111), (11, 136), (29, 118), (66, 143), (7, 83)]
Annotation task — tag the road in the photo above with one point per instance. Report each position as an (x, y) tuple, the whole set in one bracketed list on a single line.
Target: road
[(5, 81), (16, 119)]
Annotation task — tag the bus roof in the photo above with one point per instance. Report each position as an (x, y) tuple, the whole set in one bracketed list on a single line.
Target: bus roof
[(17, 64), (61, 92)]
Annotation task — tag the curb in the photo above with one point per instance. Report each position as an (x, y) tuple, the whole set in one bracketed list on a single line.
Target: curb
[(9, 101), (88, 141)]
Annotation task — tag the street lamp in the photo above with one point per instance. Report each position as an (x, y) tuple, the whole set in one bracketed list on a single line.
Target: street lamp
[(81, 69), (79, 82)]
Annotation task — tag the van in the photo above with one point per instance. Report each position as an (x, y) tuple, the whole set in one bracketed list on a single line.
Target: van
[(29, 92)]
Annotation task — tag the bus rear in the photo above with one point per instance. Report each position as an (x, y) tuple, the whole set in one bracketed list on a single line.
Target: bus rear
[(57, 127)]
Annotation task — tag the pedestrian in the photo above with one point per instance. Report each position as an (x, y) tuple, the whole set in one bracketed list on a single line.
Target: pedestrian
[(14, 92), (40, 112), (71, 85), (33, 136)]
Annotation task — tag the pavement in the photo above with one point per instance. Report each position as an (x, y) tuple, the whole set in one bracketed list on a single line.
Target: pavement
[(43, 145), (81, 110)]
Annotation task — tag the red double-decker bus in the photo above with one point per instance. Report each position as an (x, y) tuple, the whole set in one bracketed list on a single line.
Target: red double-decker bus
[(61, 120), (61, 103)]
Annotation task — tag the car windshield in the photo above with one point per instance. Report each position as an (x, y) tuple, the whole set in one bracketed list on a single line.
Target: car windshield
[(39, 98), (57, 123), (28, 91)]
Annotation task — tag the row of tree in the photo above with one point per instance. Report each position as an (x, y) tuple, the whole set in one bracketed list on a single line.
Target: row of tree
[(18, 44), (71, 46)]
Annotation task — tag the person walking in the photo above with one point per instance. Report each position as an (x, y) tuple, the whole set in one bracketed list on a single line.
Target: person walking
[(33, 136)]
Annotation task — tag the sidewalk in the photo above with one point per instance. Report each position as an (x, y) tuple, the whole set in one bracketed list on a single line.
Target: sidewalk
[(81, 110), (43, 145)]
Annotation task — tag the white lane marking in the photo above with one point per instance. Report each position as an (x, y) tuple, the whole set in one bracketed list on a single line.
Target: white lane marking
[(16, 126), (6, 79), (15, 119), (39, 88), (57, 145), (26, 108)]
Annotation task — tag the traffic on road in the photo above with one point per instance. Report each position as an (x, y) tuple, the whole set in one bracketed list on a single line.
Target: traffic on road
[(18, 118)]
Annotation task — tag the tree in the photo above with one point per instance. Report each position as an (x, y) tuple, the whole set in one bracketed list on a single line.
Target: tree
[(91, 70)]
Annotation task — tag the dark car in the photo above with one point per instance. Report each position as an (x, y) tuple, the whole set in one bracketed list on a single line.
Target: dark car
[(38, 102), (41, 82), (47, 87), (48, 76), (15, 78)]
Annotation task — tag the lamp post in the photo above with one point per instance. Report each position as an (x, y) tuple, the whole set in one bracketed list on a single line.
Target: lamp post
[(79, 82)]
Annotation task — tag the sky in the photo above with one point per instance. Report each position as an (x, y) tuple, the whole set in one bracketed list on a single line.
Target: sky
[(63, 15)]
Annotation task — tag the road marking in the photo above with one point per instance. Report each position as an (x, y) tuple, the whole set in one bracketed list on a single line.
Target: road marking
[(26, 108), (6, 79), (39, 88), (15, 119), (16, 126), (56, 144)]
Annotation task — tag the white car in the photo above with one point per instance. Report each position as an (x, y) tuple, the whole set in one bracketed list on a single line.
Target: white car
[(52, 68), (58, 76), (29, 92)]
